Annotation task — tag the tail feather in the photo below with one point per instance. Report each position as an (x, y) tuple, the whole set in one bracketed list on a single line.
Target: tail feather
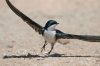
[(89, 38)]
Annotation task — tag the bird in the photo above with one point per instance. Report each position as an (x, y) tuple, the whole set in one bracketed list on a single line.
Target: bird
[(50, 34)]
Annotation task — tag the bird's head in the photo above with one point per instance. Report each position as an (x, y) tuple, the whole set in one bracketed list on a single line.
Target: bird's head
[(50, 25)]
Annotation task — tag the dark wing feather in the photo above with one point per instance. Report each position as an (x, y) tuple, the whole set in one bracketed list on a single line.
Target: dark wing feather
[(30, 22), (89, 38)]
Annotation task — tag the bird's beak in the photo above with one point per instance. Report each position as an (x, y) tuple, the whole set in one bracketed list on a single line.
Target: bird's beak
[(57, 23)]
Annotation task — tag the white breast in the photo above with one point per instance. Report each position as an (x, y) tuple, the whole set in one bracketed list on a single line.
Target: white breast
[(49, 36)]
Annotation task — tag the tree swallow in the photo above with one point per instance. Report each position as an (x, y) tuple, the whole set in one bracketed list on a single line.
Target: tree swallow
[(49, 33)]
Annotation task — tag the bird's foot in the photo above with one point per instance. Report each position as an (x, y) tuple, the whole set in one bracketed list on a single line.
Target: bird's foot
[(47, 54)]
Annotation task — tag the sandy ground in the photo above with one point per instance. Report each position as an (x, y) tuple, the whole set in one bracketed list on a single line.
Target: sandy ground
[(20, 45)]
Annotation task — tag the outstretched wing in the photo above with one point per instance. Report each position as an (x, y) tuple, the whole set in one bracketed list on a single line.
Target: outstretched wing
[(89, 38), (30, 22)]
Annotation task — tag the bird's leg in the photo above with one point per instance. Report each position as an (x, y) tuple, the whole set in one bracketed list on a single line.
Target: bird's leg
[(52, 46), (43, 48)]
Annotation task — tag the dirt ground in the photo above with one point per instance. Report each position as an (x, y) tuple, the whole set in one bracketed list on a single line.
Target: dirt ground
[(20, 45)]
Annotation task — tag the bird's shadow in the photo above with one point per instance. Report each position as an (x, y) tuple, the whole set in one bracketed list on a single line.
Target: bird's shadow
[(38, 56)]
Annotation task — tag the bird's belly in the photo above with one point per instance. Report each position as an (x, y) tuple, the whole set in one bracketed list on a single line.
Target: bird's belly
[(49, 36)]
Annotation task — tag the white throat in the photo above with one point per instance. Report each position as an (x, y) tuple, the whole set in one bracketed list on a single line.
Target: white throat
[(52, 27)]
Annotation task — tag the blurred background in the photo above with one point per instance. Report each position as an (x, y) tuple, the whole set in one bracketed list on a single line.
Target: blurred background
[(74, 16)]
